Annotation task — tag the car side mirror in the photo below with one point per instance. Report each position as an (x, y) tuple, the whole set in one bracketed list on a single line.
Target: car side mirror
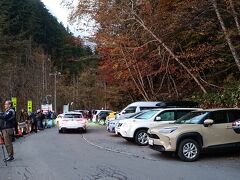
[(208, 122), (158, 118), (123, 112)]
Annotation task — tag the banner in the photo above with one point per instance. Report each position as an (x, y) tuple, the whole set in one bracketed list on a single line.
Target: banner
[(46, 107)]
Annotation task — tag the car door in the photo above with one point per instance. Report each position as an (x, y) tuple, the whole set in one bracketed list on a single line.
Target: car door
[(234, 125), (218, 133)]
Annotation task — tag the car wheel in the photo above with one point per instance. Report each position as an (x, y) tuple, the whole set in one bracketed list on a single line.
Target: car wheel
[(60, 130), (141, 137), (188, 150)]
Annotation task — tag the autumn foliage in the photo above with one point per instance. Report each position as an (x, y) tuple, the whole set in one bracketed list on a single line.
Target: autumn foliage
[(168, 49)]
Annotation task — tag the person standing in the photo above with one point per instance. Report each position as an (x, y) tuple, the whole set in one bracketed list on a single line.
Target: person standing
[(8, 118), (40, 118), (34, 122)]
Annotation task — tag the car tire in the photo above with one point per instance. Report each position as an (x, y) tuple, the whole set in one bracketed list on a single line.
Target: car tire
[(59, 131), (141, 137), (188, 150)]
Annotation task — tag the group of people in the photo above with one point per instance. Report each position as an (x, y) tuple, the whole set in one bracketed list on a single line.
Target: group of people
[(9, 126), (33, 121)]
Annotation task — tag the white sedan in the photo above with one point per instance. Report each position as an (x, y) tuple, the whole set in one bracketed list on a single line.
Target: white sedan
[(72, 121)]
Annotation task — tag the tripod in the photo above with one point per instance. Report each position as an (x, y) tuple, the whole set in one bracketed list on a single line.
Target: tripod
[(2, 144)]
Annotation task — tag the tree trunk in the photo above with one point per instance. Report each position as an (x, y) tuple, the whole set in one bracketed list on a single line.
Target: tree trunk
[(234, 13), (138, 19), (227, 36)]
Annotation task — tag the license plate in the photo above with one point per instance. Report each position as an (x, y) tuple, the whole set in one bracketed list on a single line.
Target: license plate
[(150, 141), (116, 132)]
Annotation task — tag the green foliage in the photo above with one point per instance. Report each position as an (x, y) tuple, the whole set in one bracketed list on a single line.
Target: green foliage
[(29, 22), (228, 97)]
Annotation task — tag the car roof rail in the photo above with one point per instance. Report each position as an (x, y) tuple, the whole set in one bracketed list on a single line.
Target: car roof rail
[(178, 104)]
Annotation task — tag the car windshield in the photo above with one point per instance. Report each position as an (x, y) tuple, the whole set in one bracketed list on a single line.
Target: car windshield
[(192, 118), (147, 115), (72, 116), (135, 114)]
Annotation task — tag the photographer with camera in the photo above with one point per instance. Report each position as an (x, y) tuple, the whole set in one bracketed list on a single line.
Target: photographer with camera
[(8, 118)]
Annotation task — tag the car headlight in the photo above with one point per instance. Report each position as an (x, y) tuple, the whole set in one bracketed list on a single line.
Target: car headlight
[(167, 130)]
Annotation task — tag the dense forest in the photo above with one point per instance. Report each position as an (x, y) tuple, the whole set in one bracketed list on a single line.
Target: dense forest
[(34, 45), (167, 49)]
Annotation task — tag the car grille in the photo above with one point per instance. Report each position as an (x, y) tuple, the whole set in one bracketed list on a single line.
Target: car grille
[(119, 124), (154, 136)]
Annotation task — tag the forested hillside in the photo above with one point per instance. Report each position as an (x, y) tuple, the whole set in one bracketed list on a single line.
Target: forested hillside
[(168, 49), (148, 50), (34, 44)]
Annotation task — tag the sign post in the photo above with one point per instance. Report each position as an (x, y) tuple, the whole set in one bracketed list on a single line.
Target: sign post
[(14, 101), (29, 106)]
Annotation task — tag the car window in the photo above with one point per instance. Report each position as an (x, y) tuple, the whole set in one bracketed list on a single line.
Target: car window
[(219, 117), (195, 117), (131, 109), (135, 114), (181, 113), (233, 115), (166, 116), (147, 115), (72, 116)]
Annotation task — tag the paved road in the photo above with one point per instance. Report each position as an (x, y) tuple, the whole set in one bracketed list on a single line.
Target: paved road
[(100, 155)]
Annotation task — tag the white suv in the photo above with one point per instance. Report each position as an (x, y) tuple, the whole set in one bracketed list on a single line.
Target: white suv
[(135, 129)]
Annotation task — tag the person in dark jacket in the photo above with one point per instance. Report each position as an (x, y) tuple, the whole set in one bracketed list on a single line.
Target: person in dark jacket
[(34, 122), (8, 118), (40, 117)]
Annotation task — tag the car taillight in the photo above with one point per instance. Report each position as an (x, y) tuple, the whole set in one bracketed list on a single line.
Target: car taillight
[(81, 120)]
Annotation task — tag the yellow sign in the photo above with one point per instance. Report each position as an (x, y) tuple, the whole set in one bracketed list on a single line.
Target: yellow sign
[(14, 101), (29, 106)]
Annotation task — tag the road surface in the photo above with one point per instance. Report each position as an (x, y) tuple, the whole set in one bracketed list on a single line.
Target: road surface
[(98, 155)]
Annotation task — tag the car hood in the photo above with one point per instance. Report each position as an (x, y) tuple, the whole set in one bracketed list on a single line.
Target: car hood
[(171, 125), (127, 120)]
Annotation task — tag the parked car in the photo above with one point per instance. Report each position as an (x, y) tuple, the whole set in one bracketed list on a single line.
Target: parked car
[(135, 108), (100, 115), (113, 125), (111, 116), (146, 105), (136, 128), (72, 121), (196, 132)]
